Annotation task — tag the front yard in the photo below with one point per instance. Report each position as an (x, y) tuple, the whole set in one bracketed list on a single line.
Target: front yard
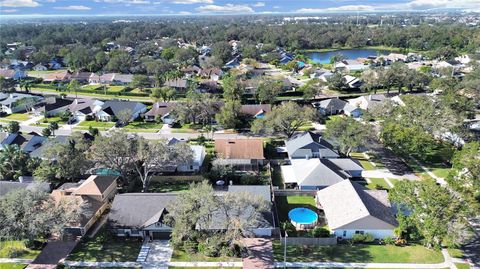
[(15, 117), (358, 253), (143, 127), (12, 265), (106, 248), (287, 203), (374, 182), (103, 126), (181, 256), (17, 249)]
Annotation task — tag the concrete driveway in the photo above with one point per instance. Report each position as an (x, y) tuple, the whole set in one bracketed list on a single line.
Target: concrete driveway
[(159, 255)]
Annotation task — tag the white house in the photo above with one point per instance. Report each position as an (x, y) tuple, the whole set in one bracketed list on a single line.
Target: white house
[(351, 209), (80, 108), (17, 102), (112, 109)]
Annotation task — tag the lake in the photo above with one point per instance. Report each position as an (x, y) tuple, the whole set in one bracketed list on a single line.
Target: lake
[(350, 54)]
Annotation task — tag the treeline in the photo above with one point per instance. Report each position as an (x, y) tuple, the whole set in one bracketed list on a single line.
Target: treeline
[(50, 38)]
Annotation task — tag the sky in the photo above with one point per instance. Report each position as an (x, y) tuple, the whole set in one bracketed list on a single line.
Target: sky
[(212, 7)]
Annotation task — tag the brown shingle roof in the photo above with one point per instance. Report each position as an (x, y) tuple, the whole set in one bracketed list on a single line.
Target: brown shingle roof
[(239, 148), (95, 185)]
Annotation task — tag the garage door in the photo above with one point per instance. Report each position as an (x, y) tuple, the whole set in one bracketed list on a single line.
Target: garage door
[(161, 235)]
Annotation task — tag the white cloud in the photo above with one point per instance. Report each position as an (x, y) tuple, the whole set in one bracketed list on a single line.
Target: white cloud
[(186, 2), (73, 8), (19, 3), (414, 5), (9, 10), (184, 13), (276, 7), (128, 2), (228, 8), (337, 9), (259, 4)]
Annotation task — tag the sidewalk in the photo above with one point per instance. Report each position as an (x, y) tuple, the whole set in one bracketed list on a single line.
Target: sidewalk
[(362, 265), (154, 264), (13, 260)]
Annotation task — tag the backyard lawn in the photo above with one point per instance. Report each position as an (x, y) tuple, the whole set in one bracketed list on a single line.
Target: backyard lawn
[(168, 186), (12, 265), (182, 256), (358, 253), (363, 161), (16, 249), (105, 247), (377, 181), (286, 203)]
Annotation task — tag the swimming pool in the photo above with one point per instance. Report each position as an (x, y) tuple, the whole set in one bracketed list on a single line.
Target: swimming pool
[(303, 217)]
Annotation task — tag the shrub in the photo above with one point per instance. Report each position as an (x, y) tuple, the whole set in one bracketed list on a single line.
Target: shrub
[(320, 232), (400, 242), (289, 228), (190, 246), (388, 240), (363, 238)]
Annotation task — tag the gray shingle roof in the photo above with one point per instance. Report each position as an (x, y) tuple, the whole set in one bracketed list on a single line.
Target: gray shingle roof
[(8, 186), (347, 202), (117, 106), (310, 142), (317, 172)]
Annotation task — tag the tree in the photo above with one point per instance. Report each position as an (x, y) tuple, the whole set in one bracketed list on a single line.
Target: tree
[(115, 152), (229, 115), (152, 155), (64, 162), (14, 162), (337, 58), (285, 119), (34, 214), (46, 132), (232, 88), (222, 50), (465, 173), (348, 134), (197, 108), (312, 88), (120, 61), (73, 86), (268, 90), (53, 126), (336, 82), (13, 127), (370, 81), (140, 81), (165, 94), (125, 116), (6, 84), (438, 216)]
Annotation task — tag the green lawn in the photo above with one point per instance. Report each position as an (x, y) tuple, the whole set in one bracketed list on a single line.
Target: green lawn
[(101, 125), (455, 253), (363, 161), (17, 117), (106, 248), (93, 94), (168, 186), (144, 125), (12, 265), (462, 265), (377, 181), (182, 256), (287, 203), (441, 171), (50, 119), (16, 249), (306, 127), (358, 253)]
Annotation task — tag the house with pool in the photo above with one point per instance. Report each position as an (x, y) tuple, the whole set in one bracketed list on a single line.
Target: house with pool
[(352, 209)]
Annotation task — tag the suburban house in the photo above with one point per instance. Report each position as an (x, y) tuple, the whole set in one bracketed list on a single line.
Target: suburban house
[(52, 106), (9, 186), (214, 73), (208, 86), (179, 84), (111, 109), (60, 75), (196, 163), (241, 154), (40, 67), (110, 78), (349, 66), (256, 111), (352, 82), (81, 108), (232, 63), (18, 102), (160, 110), (26, 142), (14, 74), (144, 214), (309, 145), (39, 151), (322, 74), (335, 106), (316, 173), (367, 101), (191, 70), (351, 209), (95, 193), (81, 77)]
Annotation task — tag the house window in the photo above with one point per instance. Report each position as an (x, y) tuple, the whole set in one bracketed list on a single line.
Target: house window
[(359, 232), (344, 233)]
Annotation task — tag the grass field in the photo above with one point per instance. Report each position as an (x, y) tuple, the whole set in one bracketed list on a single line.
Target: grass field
[(12, 265), (16, 117), (16, 249), (358, 253), (377, 181), (462, 265), (182, 256), (363, 161), (105, 248), (84, 125), (96, 95)]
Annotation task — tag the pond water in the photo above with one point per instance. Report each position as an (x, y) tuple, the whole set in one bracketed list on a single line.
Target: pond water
[(350, 54)]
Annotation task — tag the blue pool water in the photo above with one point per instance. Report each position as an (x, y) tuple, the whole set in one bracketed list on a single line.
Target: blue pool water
[(302, 215), (350, 54)]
